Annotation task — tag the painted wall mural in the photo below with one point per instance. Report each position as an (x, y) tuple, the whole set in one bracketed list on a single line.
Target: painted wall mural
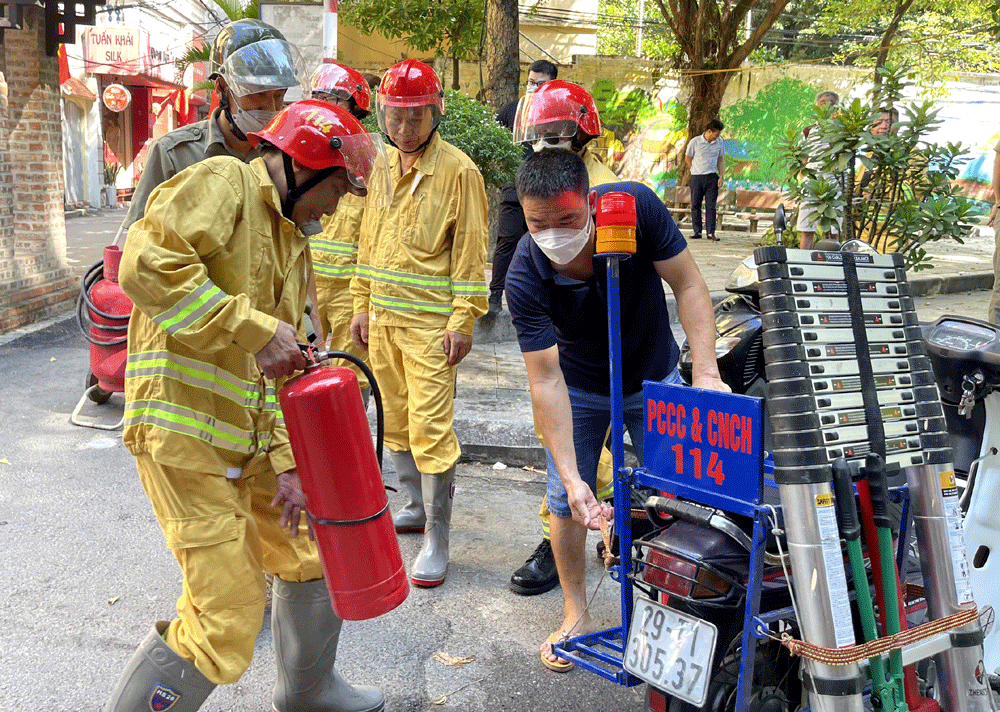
[(645, 131)]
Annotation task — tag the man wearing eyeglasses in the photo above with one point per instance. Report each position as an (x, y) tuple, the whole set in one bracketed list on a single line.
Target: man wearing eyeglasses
[(510, 220)]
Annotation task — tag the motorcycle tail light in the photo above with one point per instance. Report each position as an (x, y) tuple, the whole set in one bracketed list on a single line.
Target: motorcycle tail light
[(656, 701), (681, 578)]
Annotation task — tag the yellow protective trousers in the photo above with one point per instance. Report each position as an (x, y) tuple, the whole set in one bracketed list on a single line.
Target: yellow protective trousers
[(418, 393), (225, 535)]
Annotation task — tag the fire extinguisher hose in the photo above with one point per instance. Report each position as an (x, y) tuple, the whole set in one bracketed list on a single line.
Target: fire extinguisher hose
[(120, 322)]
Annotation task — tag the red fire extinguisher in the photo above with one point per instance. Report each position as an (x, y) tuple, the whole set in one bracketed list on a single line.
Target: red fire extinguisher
[(345, 497), (108, 309)]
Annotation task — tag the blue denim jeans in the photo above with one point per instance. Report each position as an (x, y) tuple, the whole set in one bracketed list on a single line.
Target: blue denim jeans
[(591, 418)]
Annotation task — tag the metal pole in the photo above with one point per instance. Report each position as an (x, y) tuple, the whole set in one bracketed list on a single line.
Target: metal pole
[(623, 498), (963, 685), (330, 32), (638, 32), (820, 587)]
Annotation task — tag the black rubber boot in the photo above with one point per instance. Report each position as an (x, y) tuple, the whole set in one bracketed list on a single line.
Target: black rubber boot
[(538, 574)]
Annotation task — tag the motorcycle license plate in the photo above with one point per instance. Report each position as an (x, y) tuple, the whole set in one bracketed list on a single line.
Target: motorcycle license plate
[(670, 650)]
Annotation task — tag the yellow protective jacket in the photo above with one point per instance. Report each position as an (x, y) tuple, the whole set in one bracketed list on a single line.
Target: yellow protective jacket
[(334, 259), (597, 172), (335, 250), (175, 151), (211, 268), (422, 259)]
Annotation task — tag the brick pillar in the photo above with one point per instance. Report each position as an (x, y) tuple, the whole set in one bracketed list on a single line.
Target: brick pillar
[(35, 279), (6, 186)]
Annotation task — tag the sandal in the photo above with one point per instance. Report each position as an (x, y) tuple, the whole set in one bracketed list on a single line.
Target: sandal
[(558, 665)]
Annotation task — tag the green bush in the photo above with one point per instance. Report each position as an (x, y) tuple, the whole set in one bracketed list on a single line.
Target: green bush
[(470, 126), (894, 191)]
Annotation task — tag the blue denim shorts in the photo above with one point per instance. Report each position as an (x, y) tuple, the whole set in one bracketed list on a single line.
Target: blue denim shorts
[(591, 418)]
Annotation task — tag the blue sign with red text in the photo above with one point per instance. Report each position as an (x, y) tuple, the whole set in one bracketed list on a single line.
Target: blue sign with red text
[(705, 445)]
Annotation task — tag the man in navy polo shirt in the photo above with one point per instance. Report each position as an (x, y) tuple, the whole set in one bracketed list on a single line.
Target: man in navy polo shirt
[(557, 296)]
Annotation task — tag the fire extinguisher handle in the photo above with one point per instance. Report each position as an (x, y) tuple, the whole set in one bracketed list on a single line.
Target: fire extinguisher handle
[(319, 356)]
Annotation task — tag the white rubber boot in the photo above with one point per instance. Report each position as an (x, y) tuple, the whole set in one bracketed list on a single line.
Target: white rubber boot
[(431, 564), (157, 678), (411, 517), (306, 632)]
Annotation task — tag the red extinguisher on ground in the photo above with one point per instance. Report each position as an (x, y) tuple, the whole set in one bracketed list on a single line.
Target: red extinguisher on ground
[(342, 481), (102, 313)]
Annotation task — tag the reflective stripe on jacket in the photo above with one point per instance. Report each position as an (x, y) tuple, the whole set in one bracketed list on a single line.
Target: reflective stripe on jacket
[(335, 250), (211, 268), (422, 259)]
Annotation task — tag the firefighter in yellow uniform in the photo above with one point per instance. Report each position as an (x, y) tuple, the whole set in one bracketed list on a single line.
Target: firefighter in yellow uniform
[(559, 114), (419, 287), (335, 249), (219, 288)]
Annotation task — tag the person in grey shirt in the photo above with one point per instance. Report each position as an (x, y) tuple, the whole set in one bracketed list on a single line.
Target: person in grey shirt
[(705, 156), (252, 65)]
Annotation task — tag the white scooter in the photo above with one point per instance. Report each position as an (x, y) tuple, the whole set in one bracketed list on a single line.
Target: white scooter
[(965, 354)]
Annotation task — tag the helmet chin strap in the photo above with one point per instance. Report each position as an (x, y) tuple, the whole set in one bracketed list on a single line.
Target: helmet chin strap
[(419, 148), (294, 192), (228, 111)]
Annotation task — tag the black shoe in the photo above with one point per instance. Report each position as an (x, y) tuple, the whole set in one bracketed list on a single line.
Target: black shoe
[(696, 236), (496, 305), (713, 238), (538, 574)]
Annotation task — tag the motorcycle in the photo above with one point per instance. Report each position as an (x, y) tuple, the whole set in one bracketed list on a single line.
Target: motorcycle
[(739, 331), (965, 356)]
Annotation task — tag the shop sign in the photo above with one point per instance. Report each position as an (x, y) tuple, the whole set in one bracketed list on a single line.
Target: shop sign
[(116, 97), (115, 50)]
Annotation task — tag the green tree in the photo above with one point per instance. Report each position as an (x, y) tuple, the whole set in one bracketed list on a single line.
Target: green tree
[(895, 191), (714, 39), (503, 64), (934, 37), (618, 31), (441, 27)]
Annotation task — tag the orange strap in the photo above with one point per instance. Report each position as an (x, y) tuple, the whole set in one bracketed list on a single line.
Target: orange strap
[(856, 653)]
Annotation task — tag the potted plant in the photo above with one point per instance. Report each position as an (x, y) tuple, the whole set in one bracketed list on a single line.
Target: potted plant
[(111, 171)]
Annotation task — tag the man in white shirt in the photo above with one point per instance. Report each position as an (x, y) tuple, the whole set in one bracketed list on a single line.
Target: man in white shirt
[(705, 155)]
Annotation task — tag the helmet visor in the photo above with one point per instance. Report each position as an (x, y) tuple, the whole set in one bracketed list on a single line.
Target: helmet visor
[(264, 66), (407, 123), (367, 167), (539, 117)]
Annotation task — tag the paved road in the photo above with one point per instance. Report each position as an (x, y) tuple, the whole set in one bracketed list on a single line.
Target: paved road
[(86, 572)]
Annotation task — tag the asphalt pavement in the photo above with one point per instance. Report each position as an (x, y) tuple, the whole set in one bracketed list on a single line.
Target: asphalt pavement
[(87, 570)]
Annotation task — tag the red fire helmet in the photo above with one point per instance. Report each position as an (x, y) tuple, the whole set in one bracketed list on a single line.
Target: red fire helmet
[(556, 109), (321, 135), (410, 83), (342, 81)]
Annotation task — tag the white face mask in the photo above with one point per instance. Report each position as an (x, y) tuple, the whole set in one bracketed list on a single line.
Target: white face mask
[(562, 244), (252, 121), (542, 144)]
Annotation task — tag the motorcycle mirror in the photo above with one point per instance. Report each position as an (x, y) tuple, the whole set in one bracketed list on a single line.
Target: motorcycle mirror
[(858, 246), (780, 222)]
